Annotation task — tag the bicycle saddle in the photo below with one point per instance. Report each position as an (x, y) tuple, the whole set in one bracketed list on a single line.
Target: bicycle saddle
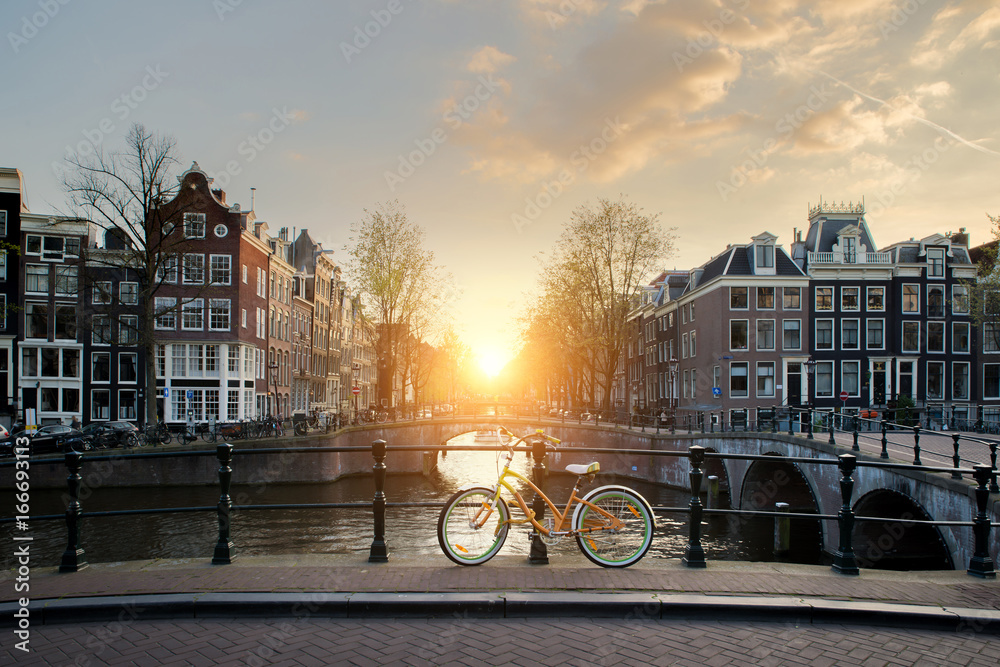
[(580, 469)]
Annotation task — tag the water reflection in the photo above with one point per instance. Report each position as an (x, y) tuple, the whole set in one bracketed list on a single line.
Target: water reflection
[(410, 532)]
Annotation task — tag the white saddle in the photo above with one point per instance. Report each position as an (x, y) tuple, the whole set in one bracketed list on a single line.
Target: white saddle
[(580, 469)]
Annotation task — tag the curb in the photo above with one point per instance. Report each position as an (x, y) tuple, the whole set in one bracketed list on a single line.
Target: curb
[(500, 604)]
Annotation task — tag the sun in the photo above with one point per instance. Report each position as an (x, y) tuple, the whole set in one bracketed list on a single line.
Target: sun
[(492, 362)]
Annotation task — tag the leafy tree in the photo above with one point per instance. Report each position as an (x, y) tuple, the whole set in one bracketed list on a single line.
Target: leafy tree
[(982, 296)]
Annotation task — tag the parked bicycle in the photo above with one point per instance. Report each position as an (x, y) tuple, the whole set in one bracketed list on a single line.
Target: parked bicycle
[(613, 525)]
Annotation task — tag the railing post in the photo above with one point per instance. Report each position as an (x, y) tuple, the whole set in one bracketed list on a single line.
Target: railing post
[(782, 530), (993, 464), (857, 425), (791, 415), (379, 553), (224, 549), (916, 446), (774, 420), (694, 555), (73, 559), (832, 420), (981, 565), (844, 561), (956, 459), (539, 553), (885, 440), (809, 425)]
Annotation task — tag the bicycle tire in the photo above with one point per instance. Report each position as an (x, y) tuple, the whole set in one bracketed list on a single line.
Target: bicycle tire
[(164, 437), (130, 440), (381, 417), (619, 548), (301, 428), (211, 435), (460, 541)]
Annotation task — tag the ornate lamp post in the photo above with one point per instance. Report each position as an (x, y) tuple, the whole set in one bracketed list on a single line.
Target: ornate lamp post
[(274, 378)]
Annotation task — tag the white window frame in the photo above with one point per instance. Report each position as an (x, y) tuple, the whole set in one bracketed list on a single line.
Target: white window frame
[(220, 308), (194, 225), (902, 338), (760, 365), (833, 340), (774, 297), (101, 294), (746, 367), (747, 327), (868, 296), (927, 381), (747, 292), (226, 271), (799, 330), (819, 365), (189, 307), (944, 337), (959, 300), (955, 336), (868, 345), (857, 333), (941, 255), (129, 293), (191, 266), (162, 303), (774, 343), (968, 380), (903, 297), (857, 298), (784, 306), (857, 376), (832, 299)]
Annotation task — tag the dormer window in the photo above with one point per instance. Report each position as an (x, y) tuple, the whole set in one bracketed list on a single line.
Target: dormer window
[(765, 256), (935, 262)]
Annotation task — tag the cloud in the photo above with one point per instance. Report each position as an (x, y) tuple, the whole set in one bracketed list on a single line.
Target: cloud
[(952, 31), (489, 59)]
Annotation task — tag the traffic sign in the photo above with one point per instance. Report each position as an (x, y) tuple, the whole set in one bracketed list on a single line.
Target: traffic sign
[(190, 394), (716, 391), (843, 395), (355, 390), (166, 392)]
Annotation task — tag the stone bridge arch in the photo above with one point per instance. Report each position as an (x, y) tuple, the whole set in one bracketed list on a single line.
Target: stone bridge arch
[(894, 545)]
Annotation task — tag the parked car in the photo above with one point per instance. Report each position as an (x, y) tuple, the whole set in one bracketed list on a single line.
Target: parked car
[(112, 434), (48, 440)]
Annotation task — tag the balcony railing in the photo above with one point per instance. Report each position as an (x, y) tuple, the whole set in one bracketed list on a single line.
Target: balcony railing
[(850, 258)]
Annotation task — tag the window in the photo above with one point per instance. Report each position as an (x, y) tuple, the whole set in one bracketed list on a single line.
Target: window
[(849, 298), (102, 292), (166, 313), (765, 334), (3, 223), (66, 281), (791, 334), (129, 293), (193, 315), (29, 362), (991, 381), (233, 405), (690, 308), (101, 367), (684, 315), (36, 278), (960, 337), (991, 337), (935, 262), (935, 301), (824, 334), (211, 361), (959, 300), (694, 344), (194, 225), (824, 379), (161, 361), (218, 314), (128, 330), (684, 346), (850, 377), (791, 298), (243, 318), (824, 298), (876, 335), (234, 360), (738, 380), (935, 336), (935, 380), (906, 382), (765, 298), (911, 298), (765, 380), (102, 330), (849, 334), (911, 336), (876, 298), (179, 360), (126, 404), (220, 268), (71, 364), (33, 245), (65, 324), (50, 362), (739, 298), (245, 275), (684, 384), (167, 271), (960, 381), (738, 334), (212, 404), (100, 404), (694, 383), (128, 367), (194, 269), (716, 376), (765, 256)]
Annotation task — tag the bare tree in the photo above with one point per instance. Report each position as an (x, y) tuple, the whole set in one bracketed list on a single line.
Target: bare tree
[(602, 258), (126, 193), (982, 296), (395, 275)]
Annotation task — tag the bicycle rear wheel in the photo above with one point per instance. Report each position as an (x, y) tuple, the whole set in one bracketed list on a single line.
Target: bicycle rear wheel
[(462, 538), (615, 548)]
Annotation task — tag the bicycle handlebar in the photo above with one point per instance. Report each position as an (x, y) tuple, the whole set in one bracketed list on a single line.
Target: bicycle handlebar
[(517, 441)]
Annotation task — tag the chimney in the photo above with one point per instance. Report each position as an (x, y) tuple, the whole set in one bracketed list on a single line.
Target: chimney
[(220, 195)]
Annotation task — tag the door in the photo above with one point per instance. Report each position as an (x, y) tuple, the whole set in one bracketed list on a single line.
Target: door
[(878, 383), (793, 384)]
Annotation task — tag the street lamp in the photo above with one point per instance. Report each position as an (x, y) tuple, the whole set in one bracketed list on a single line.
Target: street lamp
[(810, 365), (672, 365), (274, 377)]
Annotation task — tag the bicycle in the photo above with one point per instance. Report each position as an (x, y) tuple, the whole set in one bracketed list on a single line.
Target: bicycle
[(613, 525)]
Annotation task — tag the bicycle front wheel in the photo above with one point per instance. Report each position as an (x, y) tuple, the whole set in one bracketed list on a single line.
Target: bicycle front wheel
[(462, 533), (614, 548)]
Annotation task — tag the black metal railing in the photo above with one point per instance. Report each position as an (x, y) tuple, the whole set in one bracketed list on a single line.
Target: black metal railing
[(845, 562)]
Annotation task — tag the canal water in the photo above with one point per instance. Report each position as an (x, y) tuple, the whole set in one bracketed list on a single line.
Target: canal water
[(410, 531)]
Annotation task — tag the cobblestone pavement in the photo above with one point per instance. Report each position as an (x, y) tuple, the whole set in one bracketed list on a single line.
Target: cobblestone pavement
[(313, 642)]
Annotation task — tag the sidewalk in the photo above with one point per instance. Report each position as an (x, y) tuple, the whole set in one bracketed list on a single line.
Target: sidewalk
[(506, 586)]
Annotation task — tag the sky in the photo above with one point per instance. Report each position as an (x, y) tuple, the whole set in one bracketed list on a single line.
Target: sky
[(491, 121)]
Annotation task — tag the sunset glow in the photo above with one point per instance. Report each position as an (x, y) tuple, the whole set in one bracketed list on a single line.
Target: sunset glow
[(492, 362)]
